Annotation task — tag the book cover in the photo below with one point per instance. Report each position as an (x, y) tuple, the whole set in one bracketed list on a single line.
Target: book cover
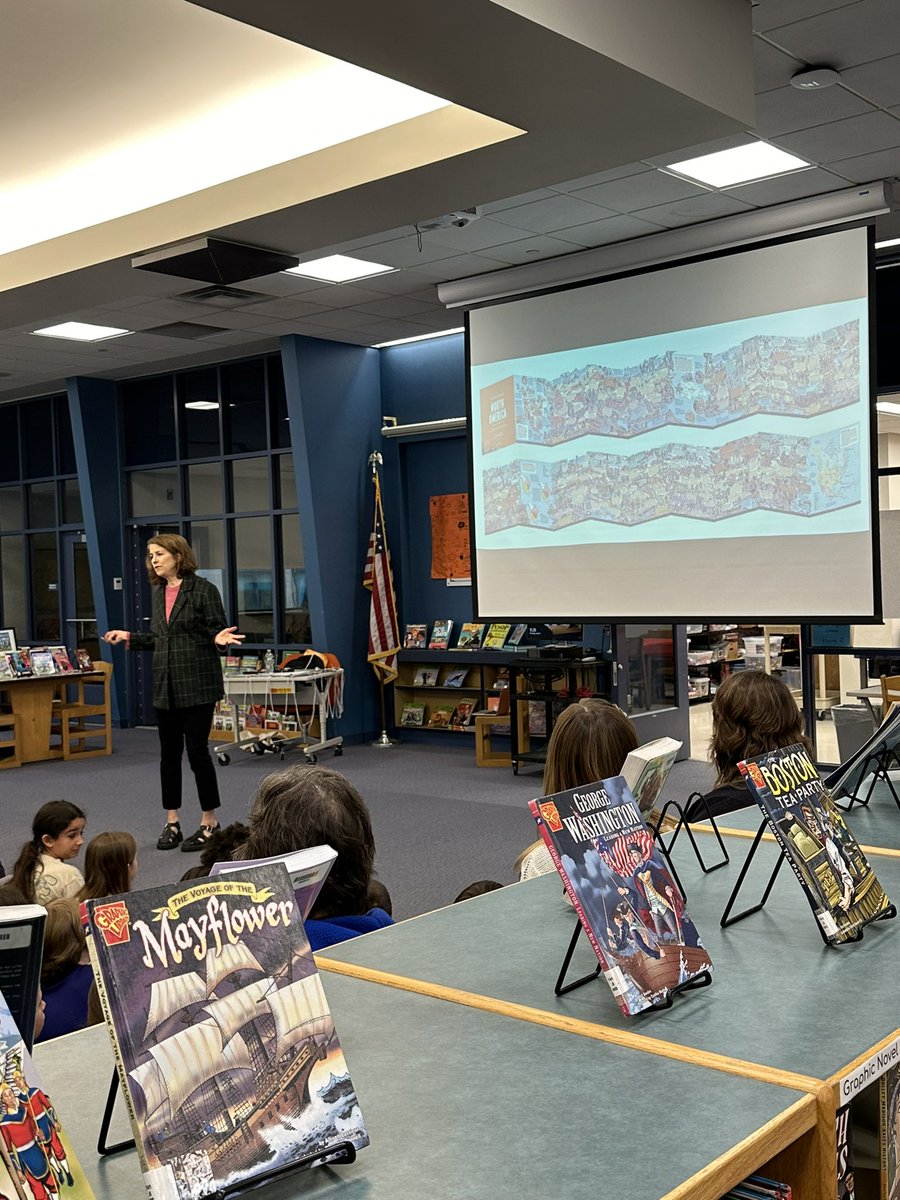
[(42, 661), (440, 635), (517, 634), (470, 635), (307, 869), (21, 952), (426, 677), (61, 658), (889, 1127), (646, 769), (413, 714), (6, 667), (842, 889), (37, 1160), (496, 636), (223, 1038), (439, 717), (20, 662), (461, 714), (456, 678), (416, 637), (83, 660), (843, 1143), (626, 900)]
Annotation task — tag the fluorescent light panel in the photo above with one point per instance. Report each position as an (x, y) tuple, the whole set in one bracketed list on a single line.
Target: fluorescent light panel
[(889, 242), (79, 331), (741, 164), (888, 406), (339, 268), (203, 405), (419, 337)]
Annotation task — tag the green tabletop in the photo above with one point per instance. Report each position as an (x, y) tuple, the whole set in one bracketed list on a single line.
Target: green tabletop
[(475, 1106), (779, 996)]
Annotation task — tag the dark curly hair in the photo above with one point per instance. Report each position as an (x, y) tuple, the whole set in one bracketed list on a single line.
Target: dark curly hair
[(312, 806), (752, 713)]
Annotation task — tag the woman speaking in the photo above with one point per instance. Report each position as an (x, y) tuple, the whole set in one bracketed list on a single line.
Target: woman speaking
[(187, 629)]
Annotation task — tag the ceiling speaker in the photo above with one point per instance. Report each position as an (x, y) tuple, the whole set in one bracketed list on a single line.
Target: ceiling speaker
[(213, 260)]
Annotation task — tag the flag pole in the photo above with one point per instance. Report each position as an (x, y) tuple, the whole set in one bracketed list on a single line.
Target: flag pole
[(375, 461)]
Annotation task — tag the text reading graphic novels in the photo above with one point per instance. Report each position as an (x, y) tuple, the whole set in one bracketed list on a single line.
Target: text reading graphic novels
[(223, 1037), (626, 900), (37, 1161), (837, 878), (647, 424)]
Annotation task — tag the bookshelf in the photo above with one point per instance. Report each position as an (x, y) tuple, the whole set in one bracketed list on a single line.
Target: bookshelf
[(487, 672)]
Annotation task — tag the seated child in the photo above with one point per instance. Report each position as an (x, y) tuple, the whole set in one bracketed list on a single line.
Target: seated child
[(44, 870)]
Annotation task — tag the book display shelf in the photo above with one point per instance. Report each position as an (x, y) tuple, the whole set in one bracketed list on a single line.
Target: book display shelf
[(424, 681)]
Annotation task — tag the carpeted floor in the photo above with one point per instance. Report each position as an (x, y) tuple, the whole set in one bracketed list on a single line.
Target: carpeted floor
[(440, 822)]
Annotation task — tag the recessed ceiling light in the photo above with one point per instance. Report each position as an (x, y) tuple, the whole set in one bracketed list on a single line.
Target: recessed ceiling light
[(741, 164), (889, 242), (203, 405), (78, 331), (888, 406), (419, 337), (339, 268)]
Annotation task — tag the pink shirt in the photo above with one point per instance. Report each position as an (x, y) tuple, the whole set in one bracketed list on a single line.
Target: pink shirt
[(171, 597)]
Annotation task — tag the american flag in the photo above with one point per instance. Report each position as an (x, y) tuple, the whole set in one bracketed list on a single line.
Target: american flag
[(384, 634), (617, 855)]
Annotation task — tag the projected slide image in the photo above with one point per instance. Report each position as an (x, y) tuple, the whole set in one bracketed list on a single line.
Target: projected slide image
[(779, 375), (762, 472)]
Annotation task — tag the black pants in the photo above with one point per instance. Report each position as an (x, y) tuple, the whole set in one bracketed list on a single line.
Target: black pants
[(180, 729)]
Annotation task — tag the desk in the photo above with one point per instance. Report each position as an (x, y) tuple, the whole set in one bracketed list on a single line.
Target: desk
[(31, 700), (468, 1105)]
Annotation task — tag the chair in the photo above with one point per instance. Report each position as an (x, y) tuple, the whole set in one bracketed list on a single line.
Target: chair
[(890, 693), (8, 721), (77, 735), (487, 723)]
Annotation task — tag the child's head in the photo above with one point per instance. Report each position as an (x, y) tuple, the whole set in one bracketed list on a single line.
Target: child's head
[(480, 887), (752, 712), (311, 806), (64, 940), (57, 830), (590, 741), (110, 865)]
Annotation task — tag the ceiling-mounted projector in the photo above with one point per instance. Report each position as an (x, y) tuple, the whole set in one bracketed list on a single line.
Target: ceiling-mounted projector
[(457, 220)]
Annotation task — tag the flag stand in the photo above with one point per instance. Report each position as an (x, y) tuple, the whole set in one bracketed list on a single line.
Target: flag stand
[(384, 635), (383, 740)]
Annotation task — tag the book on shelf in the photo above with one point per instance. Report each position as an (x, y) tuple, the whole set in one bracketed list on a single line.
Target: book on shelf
[(7, 640), (61, 658), (889, 1132), (843, 1152), (646, 769), (847, 778), (224, 1043), (308, 869), (518, 632), (625, 897), (412, 714), (837, 879), (6, 666), (21, 953), (456, 678), (461, 714), (37, 1159), (470, 635), (439, 717), (496, 636), (83, 660), (415, 637), (426, 677), (19, 662), (42, 661), (440, 635), (758, 1187)]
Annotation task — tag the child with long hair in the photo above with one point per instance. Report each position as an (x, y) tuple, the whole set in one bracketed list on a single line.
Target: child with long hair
[(110, 865), (66, 974), (43, 870)]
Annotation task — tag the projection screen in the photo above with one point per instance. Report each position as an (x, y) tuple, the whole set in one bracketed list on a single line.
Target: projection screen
[(692, 441)]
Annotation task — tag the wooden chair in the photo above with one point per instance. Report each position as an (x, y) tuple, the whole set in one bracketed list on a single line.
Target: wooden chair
[(76, 733), (8, 721), (485, 725), (890, 693)]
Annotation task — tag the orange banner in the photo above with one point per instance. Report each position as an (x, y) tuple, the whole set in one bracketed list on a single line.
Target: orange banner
[(450, 536)]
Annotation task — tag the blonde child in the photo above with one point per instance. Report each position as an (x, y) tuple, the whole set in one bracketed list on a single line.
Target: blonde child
[(44, 870)]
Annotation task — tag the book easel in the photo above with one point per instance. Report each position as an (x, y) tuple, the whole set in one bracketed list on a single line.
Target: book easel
[(682, 822), (727, 919), (703, 979)]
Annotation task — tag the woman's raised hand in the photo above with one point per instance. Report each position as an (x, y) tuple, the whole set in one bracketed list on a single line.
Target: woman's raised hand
[(115, 635), (229, 637)]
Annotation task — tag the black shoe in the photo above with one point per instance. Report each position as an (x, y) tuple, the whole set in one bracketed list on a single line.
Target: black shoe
[(198, 840), (170, 836)]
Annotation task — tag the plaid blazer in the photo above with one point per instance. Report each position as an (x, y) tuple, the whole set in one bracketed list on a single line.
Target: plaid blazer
[(187, 667)]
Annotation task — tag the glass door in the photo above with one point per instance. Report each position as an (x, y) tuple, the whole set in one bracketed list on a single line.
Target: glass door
[(79, 615), (650, 679)]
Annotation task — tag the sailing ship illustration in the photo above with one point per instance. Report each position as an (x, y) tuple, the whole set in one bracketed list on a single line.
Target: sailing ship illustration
[(220, 1051)]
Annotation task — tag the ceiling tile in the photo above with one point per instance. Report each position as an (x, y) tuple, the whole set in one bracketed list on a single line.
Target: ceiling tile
[(609, 230), (865, 168), (640, 191), (770, 14), (696, 208), (789, 187), (787, 109), (842, 139), (531, 250), (405, 252), (496, 206), (878, 81), (844, 36), (395, 306), (276, 309), (342, 318), (586, 181), (772, 68), (544, 216), (477, 235), (475, 264)]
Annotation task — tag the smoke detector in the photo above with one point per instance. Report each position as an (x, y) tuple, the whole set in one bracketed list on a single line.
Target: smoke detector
[(458, 220)]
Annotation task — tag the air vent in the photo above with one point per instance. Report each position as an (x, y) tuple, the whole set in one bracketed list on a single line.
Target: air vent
[(213, 260), (189, 330), (222, 296)]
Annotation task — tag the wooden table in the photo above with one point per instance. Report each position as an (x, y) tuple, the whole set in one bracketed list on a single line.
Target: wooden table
[(31, 701)]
